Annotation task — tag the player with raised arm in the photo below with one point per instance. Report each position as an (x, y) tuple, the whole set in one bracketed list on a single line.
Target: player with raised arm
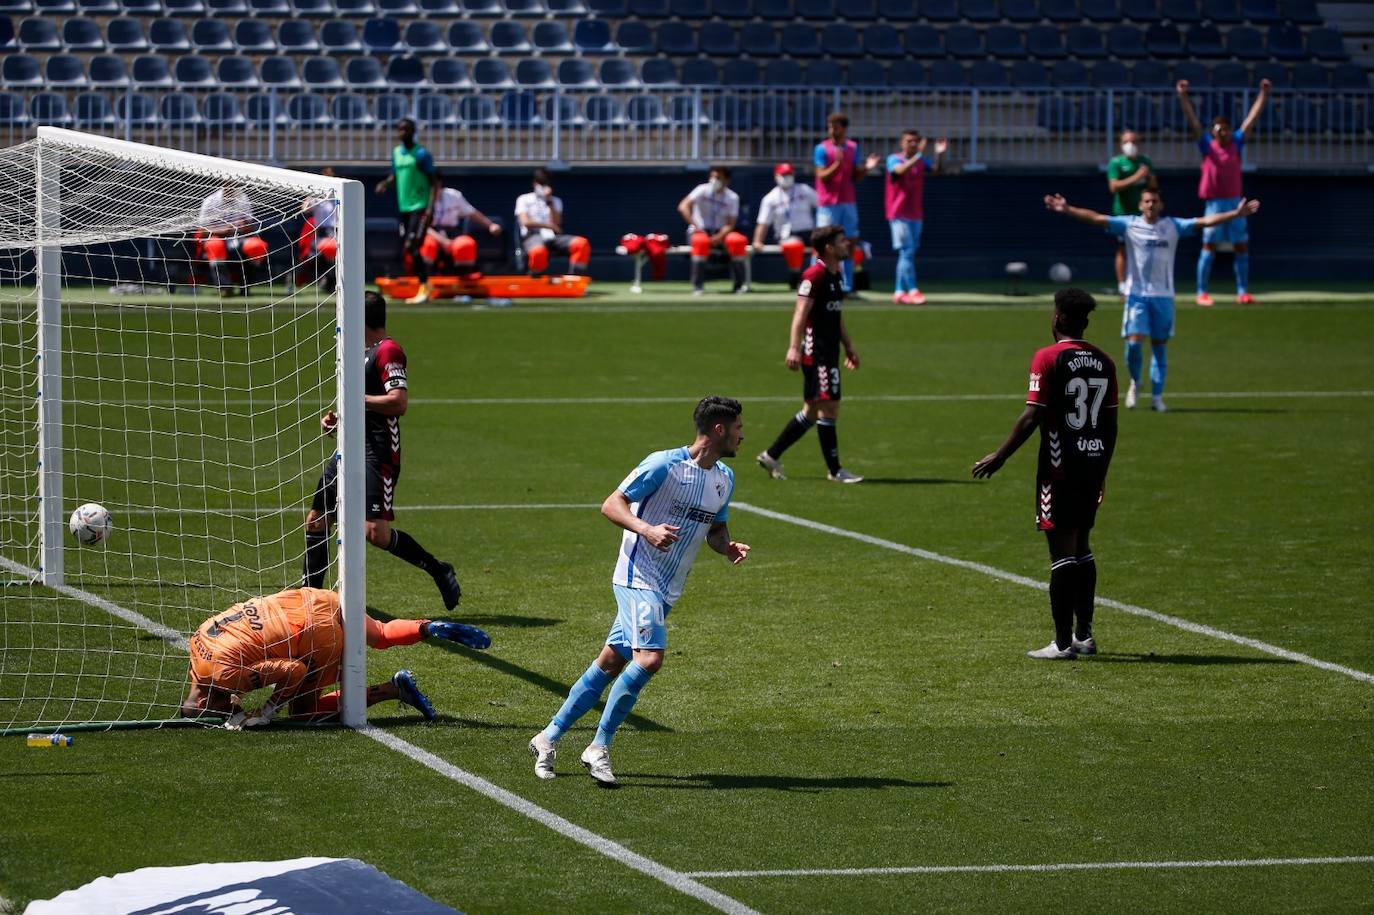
[(904, 202), (293, 641), (668, 506), (386, 400), (1072, 399), (818, 331), (838, 169), (1220, 188), (417, 182), (1151, 247)]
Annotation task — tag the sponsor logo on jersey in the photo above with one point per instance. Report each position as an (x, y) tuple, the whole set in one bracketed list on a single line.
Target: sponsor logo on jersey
[(1035, 381), (804, 290), (1092, 445), (692, 513)]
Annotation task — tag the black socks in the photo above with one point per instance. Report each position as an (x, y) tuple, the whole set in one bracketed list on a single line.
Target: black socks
[(830, 444), (796, 427)]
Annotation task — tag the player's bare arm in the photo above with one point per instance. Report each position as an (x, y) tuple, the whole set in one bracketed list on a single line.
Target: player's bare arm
[(799, 316), (616, 508), (684, 209), (760, 233), (385, 184), (851, 355), (1246, 208), (1140, 176), (1057, 204), (941, 147), (392, 403), (1181, 87), (825, 171), (482, 220), (726, 229), (872, 162), (718, 539), (1256, 107), (1025, 424)]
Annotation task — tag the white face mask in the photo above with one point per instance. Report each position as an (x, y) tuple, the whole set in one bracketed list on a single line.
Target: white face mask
[(1130, 150), (717, 185), (543, 190), (785, 181)]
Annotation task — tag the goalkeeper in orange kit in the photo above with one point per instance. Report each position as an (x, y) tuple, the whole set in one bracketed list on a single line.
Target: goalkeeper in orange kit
[(293, 641)]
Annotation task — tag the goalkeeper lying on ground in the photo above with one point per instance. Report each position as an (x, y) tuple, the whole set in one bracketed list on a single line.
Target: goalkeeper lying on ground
[(293, 641)]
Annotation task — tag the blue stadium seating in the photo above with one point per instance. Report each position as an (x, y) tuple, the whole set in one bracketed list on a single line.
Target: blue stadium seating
[(759, 39), (1044, 42), (732, 9), (269, 8), (168, 36), (1030, 74), (682, 111), (1126, 42), (397, 9), (939, 10), (483, 8), (1069, 74), (815, 11), (108, 71), (1104, 11), (825, 74), (603, 111), (435, 110), (1060, 10), (280, 73), (1084, 42), (14, 112), (64, 71), (350, 110), (21, 70), (313, 9), (923, 41), (988, 74), (1146, 11), (211, 36), (338, 36), (650, 9), (691, 9), (192, 71), (179, 109), (1005, 43), (1204, 41), (1198, 75), (307, 110), (137, 109), (477, 111), (1245, 43), (6, 34), (948, 74), (562, 110), (221, 110), (980, 10), (593, 36), (254, 36), (618, 73), (1110, 74), (1285, 42), (98, 7), (1164, 40), (467, 38), (1261, 11), (236, 73), (150, 72), (49, 109), (1222, 12), (658, 71), (296, 36), (1302, 115), (718, 39), (226, 9), (731, 112), (264, 110), (1347, 116), (1348, 77), (800, 40), (1277, 74), (867, 74), (741, 73), (906, 74), (382, 36), (1151, 74), (700, 72), (534, 73), (784, 72), (882, 40), (37, 34), (186, 9), (676, 39), (1311, 76), (1303, 12), (365, 73), (1184, 11), (1230, 75), (632, 37), (508, 38), (839, 39), (1326, 44), (610, 9), (1057, 114), (355, 9), (525, 8), (489, 73), (898, 11), (645, 110), (321, 73), (551, 38), (92, 111), (82, 34), (1022, 11), (1139, 113), (576, 73), (964, 41), (776, 10), (449, 73)]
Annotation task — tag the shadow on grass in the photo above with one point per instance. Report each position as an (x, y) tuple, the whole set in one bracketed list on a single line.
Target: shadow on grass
[(506, 619), (1197, 660), (917, 481), (720, 781)]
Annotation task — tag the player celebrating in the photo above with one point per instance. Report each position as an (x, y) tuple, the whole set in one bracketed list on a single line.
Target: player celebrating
[(293, 641), (417, 183), (386, 399), (540, 215), (789, 209), (1072, 399), (1151, 246), (668, 505), (1222, 151), (838, 169), (711, 211), (1128, 176), (904, 201), (818, 331)]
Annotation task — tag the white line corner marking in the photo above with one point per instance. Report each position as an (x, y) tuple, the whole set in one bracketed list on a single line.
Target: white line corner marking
[(1033, 868), (994, 572)]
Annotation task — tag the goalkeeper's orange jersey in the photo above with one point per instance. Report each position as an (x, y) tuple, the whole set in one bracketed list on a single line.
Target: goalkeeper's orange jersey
[(283, 640)]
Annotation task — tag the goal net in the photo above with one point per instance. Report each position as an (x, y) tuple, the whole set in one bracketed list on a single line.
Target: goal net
[(172, 327)]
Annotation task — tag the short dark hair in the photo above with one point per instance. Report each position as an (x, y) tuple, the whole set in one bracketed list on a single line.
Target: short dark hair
[(1152, 190), (722, 170), (405, 122), (1074, 304), (542, 176), (913, 132), (715, 409), (837, 118), (374, 310), (1221, 119), (825, 236)]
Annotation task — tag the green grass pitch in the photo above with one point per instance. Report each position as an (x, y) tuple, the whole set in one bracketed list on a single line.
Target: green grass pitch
[(831, 703)]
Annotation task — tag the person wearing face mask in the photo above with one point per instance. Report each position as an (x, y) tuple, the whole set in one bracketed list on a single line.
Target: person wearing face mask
[(711, 211), (1128, 176), (904, 203), (1222, 151), (540, 215), (446, 241), (790, 211)]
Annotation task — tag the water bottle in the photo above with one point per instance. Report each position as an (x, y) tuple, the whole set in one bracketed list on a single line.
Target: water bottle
[(499, 303), (49, 740)]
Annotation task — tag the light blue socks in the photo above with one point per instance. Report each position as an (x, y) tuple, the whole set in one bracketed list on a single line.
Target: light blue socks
[(1204, 269), (1242, 273), (1135, 358), (1159, 368), (621, 700), (581, 698)]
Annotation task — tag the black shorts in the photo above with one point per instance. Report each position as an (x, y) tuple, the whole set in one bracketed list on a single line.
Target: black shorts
[(380, 490), (413, 229), (1067, 504), (820, 383)]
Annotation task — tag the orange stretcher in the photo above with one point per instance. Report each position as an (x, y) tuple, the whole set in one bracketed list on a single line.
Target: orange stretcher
[(479, 286)]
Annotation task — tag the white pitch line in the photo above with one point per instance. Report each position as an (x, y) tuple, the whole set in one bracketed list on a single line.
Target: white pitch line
[(994, 572), (679, 881), (1032, 868), (288, 509)]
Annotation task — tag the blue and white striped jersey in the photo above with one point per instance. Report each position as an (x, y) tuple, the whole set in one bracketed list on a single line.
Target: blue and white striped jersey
[(1150, 252), (668, 487)]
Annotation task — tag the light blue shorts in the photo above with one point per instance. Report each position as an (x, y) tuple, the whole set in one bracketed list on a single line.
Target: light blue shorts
[(840, 214), (906, 234), (639, 621), (1148, 316), (1234, 232)]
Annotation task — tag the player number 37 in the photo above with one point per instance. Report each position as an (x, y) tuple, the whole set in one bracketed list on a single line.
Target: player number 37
[(1078, 389)]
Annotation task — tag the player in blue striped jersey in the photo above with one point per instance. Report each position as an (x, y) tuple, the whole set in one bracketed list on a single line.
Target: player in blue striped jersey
[(668, 506)]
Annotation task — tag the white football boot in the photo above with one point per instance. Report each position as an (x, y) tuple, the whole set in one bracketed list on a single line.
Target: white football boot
[(844, 476), (1052, 652), (1130, 396), (772, 465), (545, 752), (597, 759), (1157, 404), (1084, 646)]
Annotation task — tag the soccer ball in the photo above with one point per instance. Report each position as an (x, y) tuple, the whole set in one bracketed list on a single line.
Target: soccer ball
[(90, 523), (1060, 273)]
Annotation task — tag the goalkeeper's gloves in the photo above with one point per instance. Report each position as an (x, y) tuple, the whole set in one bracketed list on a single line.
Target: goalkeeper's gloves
[(262, 717), (461, 633)]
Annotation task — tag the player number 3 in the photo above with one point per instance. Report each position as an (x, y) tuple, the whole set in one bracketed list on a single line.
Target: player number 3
[(1077, 388)]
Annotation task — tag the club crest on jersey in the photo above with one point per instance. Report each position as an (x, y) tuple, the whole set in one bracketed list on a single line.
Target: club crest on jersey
[(720, 488)]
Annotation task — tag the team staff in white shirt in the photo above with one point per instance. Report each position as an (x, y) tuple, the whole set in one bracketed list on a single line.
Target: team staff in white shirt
[(446, 239), (790, 211), (540, 215), (711, 211)]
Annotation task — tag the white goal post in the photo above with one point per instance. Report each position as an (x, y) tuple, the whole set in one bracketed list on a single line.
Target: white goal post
[(186, 402)]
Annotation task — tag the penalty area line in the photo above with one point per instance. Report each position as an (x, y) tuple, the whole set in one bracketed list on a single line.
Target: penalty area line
[(994, 572), (1033, 868)]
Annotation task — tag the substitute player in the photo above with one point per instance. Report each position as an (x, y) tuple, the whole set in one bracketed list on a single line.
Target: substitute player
[(904, 194), (540, 215), (386, 399), (818, 332), (225, 239), (838, 169), (1128, 176), (711, 211), (789, 209), (668, 506), (317, 239), (417, 183), (293, 641), (446, 239), (1151, 247), (1220, 188), (1072, 399)]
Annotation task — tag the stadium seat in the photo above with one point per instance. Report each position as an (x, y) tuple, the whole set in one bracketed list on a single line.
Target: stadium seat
[(1260, 11), (150, 72), (1060, 10), (676, 39), (1140, 10), (390, 107), (658, 71), (759, 39), (1350, 77), (1245, 43), (449, 73), (1285, 42), (1230, 75), (321, 73), (867, 74), (356, 9), (534, 73), (280, 73), (509, 38), (226, 9), (395, 9), (1005, 43), (192, 71), (296, 36), (1151, 74), (1180, 11), (254, 36), (1030, 74), (718, 39), (179, 109), (435, 110), (1163, 40), (898, 11), (1303, 12), (264, 110), (1300, 115), (1057, 114), (124, 35), (520, 109), (307, 110), (741, 73), (92, 111), (423, 37), (272, 9), (650, 9), (1084, 42), (964, 42), (1105, 11), (98, 7), (49, 109), (467, 38), (1198, 75), (13, 110), (1126, 42), (221, 110), (107, 71), (683, 111), (839, 39), (64, 71), (980, 10), (168, 36), (1277, 74), (645, 111), (477, 110), (939, 10), (948, 74), (593, 36), (21, 70), (603, 111), (988, 74), (618, 73), (783, 72), (82, 34), (799, 39), (882, 40), (490, 73), (18, 7), (141, 7), (211, 36), (313, 9), (187, 9), (700, 72), (383, 36), (732, 9), (350, 110), (1326, 44), (562, 110), (1311, 77), (609, 9), (37, 34), (1204, 41), (691, 9), (136, 109), (731, 112), (236, 73), (339, 37), (1044, 42), (1110, 74), (551, 38), (825, 74), (814, 10), (365, 73), (774, 10), (924, 42), (483, 8), (1347, 116), (406, 71), (1222, 12), (1069, 74), (632, 37), (1022, 11), (576, 73)]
